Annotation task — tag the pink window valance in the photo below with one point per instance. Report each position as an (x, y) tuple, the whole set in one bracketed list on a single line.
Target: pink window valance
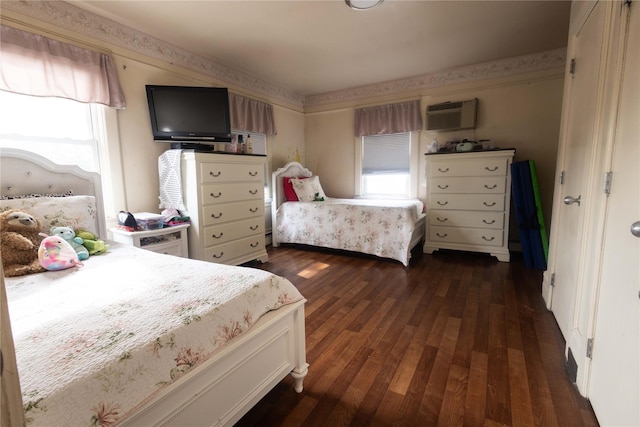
[(388, 119), (251, 115), (32, 64)]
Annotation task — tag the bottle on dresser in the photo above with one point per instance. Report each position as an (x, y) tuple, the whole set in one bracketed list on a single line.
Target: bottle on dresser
[(240, 144), (248, 145)]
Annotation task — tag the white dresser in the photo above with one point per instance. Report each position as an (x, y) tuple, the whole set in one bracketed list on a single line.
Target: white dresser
[(468, 202), (224, 197)]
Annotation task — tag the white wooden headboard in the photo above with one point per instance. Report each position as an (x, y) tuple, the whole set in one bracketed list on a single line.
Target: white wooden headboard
[(23, 172), (291, 169)]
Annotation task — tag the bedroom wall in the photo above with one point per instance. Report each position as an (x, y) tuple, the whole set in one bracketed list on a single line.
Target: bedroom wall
[(521, 113)]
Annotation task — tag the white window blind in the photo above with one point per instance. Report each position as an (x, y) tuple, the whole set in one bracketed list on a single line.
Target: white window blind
[(386, 153)]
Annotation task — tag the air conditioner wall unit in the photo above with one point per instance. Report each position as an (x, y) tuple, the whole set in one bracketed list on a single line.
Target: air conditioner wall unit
[(449, 116)]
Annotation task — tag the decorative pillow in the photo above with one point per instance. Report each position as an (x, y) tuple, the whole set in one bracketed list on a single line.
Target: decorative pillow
[(289, 193), (306, 189), (77, 212)]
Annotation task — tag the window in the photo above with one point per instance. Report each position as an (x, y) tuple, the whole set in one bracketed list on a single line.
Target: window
[(386, 165), (64, 131)]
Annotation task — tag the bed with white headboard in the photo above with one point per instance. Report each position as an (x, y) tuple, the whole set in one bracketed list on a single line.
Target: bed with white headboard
[(385, 228), (134, 337)]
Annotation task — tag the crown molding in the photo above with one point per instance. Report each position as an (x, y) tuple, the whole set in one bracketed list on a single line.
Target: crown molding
[(537, 62), (73, 18)]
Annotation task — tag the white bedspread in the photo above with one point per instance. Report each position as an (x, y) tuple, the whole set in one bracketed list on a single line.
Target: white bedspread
[(377, 227), (94, 343)]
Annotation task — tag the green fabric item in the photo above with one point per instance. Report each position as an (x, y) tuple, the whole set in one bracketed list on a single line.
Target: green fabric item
[(536, 193)]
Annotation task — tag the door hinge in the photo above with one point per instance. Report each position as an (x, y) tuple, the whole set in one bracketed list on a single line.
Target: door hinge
[(589, 347), (552, 282), (562, 178), (572, 67), (607, 182)]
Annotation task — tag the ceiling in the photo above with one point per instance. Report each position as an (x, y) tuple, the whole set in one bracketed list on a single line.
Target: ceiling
[(312, 47)]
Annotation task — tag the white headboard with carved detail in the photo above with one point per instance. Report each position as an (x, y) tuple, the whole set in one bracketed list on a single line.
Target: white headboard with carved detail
[(23, 172)]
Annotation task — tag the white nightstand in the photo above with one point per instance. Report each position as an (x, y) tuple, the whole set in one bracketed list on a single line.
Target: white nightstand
[(167, 240)]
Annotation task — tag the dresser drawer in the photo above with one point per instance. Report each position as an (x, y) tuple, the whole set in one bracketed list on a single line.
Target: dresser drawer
[(476, 185), (172, 248), (230, 172), (216, 234), (228, 251), (226, 212), (471, 202), (467, 236), (472, 219), (469, 167), (223, 193)]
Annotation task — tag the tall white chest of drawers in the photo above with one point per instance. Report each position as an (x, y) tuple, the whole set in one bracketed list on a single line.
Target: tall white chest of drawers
[(468, 202), (224, 197)]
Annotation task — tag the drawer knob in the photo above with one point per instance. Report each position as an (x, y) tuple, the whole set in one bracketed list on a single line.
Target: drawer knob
[(443, 170), (216, 216), (493, 169), (489, 222), (218, 236), (253, 173), (216, 195), (490, 187), (218, 256), (254, 227), (443, 187), (442, 203), (253, 210), (253, 245), (215, 174), (442, 235), (442, 219), (253, 192), (488, 239), (489, 204)]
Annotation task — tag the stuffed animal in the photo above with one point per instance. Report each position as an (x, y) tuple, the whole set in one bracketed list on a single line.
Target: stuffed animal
[(19, 242), (69, 235), (92, 242), (55, 253)]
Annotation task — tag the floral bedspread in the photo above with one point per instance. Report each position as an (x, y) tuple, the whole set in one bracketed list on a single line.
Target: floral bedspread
[(375, 227), (94, 343)]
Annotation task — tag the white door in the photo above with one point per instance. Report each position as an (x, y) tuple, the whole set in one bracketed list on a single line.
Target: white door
[(614, 386), (585, 47)]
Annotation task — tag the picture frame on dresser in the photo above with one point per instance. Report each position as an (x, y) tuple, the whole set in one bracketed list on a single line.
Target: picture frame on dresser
[(469, 201)]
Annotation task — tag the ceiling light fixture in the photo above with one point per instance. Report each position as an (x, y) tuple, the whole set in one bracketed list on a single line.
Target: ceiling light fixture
[(363, 4)]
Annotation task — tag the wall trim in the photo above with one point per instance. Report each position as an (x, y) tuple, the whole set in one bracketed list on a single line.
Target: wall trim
[(73, 18)]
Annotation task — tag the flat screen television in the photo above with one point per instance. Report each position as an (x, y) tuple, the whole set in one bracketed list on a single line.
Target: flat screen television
[(188, 116)]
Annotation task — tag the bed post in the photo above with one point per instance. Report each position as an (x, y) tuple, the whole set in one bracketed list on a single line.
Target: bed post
[(301, 366)]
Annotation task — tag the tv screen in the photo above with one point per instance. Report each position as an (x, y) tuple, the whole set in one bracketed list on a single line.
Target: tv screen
[(189, 114)]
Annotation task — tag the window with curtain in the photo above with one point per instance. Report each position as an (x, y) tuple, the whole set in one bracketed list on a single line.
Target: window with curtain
[(385, 161), (386, 165)]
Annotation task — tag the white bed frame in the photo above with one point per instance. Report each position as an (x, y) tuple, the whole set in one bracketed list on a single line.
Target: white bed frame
[(295, 169), (222, 389)]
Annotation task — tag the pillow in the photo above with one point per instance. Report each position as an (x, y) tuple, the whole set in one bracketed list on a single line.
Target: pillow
[(306, 189), (289, 192), (77, 212), (67, 193)]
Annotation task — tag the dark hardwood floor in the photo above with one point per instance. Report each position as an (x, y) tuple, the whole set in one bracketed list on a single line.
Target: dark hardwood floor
[(455, 339)]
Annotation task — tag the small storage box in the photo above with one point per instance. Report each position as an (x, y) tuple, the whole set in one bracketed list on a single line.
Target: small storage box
[(148, 221)]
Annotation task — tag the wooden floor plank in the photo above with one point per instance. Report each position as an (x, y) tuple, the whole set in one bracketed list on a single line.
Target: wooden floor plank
[(455, 339)]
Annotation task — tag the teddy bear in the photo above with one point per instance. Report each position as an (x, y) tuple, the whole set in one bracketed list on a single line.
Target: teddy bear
[(69, 235), (19, 243)]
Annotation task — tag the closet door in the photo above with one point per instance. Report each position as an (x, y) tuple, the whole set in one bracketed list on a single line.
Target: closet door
[(614, 388), (578, 141)]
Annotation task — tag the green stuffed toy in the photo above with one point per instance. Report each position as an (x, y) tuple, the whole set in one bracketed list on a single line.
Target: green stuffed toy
[(92, 242), (70, 237)]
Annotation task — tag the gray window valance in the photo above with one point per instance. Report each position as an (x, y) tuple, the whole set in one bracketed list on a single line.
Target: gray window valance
[(251, 115), (32, 64), (388, 119)]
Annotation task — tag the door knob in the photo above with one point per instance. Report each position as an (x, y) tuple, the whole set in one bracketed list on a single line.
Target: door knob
[(568, 200), (635, 228)]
